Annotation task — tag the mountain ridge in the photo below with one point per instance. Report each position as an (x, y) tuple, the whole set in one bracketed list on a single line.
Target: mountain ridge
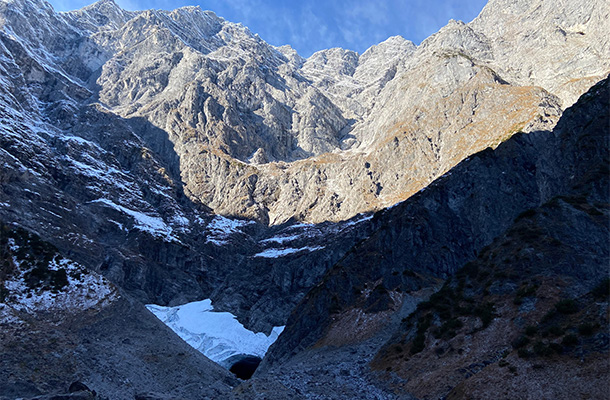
[(259, 144), (183, 158)]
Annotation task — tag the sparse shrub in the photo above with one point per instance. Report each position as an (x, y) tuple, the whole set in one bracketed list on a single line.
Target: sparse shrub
[(569, 340), (419, 343), (76, 274), (531, 330), (334, 306), (3, 292), (542, 349), (470, 270), (555, 330), (408, 272), (449, 328), (527, 291), (424, 305), (566, 306), (526, 214), (486, 312), (36, 277), (586, 329), (556, 347), (520, 342), (549, 315), (602, 290), (59, 279)]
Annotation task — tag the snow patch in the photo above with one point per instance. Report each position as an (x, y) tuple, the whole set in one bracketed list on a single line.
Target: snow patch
[(85, 290), (218, 335), (276, 253), (153, 225), (357, 221), (221, 228), (282, 239)]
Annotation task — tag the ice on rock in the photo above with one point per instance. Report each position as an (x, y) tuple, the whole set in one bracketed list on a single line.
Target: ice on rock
[(154, 225), (275, 253), (221, 228), (218, 335)]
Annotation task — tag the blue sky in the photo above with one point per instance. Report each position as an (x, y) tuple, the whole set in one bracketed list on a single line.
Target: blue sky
[(311, 25)]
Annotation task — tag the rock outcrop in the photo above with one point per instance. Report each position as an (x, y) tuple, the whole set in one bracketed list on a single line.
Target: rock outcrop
[(62, 323), (261, 133), (183, 158), (544, 198)]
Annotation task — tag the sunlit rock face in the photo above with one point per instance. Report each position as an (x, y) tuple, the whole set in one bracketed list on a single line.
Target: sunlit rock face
[(183, 158), (123, 132), (259, 132)]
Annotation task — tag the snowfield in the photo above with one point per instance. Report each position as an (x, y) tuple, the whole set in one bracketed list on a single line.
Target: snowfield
[(276, 253), (85, 290), (153, 225), (218, 335), (220, 229)]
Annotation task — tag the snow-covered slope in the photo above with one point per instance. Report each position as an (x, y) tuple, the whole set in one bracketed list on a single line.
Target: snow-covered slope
[(258, 132), (36, 279), (218, 335)]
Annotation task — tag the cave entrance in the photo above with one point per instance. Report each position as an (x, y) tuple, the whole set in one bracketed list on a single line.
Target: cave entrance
[(245, 367)]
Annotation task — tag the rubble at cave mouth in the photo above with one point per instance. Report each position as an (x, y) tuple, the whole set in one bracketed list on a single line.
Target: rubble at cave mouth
[(244, 368)]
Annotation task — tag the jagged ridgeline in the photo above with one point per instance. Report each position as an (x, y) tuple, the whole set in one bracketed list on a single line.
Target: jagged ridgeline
[(168, 157), (258, 131)]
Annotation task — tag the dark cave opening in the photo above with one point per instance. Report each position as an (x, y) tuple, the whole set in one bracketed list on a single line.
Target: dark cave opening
[(244, 368)]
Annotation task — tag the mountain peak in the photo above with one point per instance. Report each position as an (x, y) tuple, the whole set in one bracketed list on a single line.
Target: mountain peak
[(101, 15)]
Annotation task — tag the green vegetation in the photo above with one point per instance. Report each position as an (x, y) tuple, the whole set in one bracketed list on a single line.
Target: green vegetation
[(554, 330), (566, 306), (602, 290), (586, 329), (542, 349), (520, 342), (570, 340), (526, 214), (3, 293), (558, 332), (419, 343), (531, 330), (448, 307), (46, 279), (33, 256)]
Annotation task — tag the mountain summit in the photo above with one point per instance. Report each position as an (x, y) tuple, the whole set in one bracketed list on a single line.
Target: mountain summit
[(259, 132), (171, 157)]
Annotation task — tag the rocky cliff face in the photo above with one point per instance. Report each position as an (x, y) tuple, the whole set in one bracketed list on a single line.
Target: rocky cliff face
[(121, 128), (260, 132), (63, 324), (544, 197), (184, 158)]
